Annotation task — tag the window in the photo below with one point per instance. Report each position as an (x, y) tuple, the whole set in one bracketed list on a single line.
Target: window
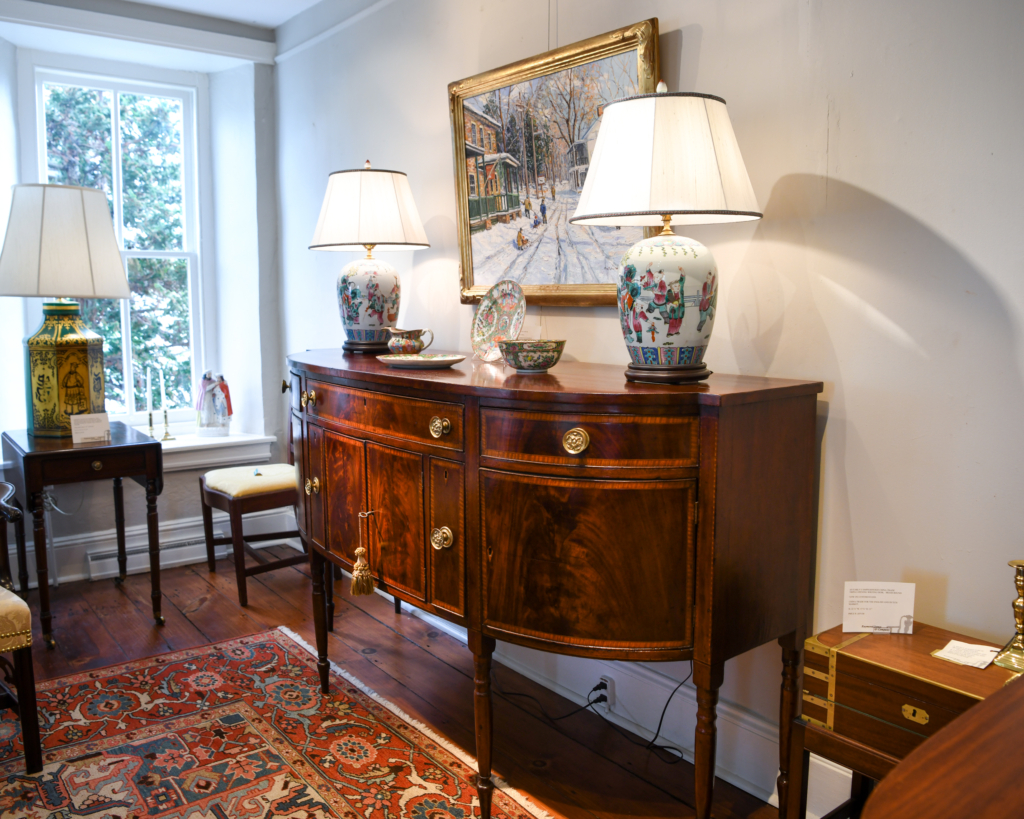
[(472, 128), (136, 141), (472, 184)]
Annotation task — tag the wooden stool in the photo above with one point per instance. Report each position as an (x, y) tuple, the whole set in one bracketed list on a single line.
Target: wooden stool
[(241, 491), (16, 637)]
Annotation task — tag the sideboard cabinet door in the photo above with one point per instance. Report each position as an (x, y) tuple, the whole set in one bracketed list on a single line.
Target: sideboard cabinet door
[(448, 555), (398, 540), (589, 564), (343, 493), (298, 451)]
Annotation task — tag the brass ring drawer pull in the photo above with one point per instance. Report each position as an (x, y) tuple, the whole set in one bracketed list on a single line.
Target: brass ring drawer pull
[(285, 386), (440, 426), (309, 486), (303, 398), (316, 486), (918, 715), (575, 441), (442, 538), (97, 465), (312, 398)]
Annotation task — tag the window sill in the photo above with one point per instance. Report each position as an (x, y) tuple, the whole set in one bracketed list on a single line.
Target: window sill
[(190, 451)]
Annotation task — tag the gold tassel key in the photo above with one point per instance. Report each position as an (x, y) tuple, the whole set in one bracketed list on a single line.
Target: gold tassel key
[(362, 577)]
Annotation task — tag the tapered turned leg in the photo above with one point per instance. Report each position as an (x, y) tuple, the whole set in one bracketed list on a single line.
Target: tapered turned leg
[(316, 568), (122, 556), (19, 540), (42, 573), (398, 606), (799, 762), (482, 648), (211, 556), (24, 681), (153, 525), (708, 680), (329, 578), (789, 710)]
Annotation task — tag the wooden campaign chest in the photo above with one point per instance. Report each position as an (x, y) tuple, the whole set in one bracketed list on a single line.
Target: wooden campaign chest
[(870, 699)]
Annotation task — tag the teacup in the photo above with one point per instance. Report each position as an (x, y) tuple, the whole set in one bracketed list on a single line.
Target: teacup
[(409, 342)]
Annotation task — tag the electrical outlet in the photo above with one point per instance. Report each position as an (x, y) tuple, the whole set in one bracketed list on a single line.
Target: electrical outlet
[(609, 692)]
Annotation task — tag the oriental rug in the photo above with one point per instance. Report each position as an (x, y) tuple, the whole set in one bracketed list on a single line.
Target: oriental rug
[(231, 731)]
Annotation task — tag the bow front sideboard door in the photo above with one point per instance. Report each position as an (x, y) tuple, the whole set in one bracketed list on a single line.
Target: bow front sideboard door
[(571, 512)]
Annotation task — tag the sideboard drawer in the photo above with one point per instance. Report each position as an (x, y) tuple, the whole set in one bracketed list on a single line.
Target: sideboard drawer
[(429, 422), (610, 440)]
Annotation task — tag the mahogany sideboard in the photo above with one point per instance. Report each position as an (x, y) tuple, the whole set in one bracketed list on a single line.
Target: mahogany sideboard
[(571, 512)]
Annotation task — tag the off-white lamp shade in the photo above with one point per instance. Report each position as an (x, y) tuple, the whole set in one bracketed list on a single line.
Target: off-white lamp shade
[(666, 154), (60, 242), (368, 207)]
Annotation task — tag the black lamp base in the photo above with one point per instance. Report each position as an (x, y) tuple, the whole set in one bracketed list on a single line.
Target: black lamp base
[(678, 374), (373, 347)]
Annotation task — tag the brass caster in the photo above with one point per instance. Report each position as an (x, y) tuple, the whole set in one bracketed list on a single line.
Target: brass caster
[(160, 620), (51, 644)]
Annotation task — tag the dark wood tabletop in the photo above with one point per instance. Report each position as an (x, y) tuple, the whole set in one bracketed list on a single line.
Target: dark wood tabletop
[(970, 768)]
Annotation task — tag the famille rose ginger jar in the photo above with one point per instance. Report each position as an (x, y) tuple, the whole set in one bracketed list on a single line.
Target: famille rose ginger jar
[(369, 293), (667, 293)]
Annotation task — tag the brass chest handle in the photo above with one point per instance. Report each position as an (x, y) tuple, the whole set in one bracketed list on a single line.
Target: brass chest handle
[(442, 538), (439, 426), (575, 441), (97, 465), (303, 398)]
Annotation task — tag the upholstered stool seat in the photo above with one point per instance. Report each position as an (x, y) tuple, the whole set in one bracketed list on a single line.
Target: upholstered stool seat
[(242, 490), (16, 638)]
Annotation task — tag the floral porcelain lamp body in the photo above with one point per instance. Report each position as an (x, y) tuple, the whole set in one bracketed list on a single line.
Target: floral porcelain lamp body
[(370, 209), (666, 159)]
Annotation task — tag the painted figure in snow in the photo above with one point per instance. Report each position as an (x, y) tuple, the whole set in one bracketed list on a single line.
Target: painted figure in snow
[(521, 241), (527, 206), (668, 302), (708, 300), (543, 211)]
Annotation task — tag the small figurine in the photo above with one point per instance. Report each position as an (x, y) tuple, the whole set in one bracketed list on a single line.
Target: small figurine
[(213, 406)]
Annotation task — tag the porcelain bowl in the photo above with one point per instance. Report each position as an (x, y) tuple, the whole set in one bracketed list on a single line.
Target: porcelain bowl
[(531, 356)]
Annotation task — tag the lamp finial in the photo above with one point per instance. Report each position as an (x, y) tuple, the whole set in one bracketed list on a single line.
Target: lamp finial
[(662, 87), (366, 167)]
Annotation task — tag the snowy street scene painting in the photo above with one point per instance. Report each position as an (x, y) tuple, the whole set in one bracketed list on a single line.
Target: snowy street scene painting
[(528, 147)]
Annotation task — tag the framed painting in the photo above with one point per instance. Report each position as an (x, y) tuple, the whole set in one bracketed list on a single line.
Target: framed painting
[(523, 136)]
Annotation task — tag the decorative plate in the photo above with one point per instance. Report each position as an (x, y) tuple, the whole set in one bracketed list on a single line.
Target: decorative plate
[(498, 318), (422, 361)]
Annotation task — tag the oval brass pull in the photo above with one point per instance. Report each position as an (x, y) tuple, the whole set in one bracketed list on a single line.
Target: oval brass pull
[(918, 715), (316, 486), (575, 441), (303, 398), (442, 538), (312, 398), (285, 386), (309, 486), (97, 465), (440, 426)]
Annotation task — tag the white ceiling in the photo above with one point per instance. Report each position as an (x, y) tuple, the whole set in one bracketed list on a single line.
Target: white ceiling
[(265, 13)]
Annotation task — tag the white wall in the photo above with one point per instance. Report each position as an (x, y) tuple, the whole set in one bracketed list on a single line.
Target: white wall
[(12, 330), (883, 142)]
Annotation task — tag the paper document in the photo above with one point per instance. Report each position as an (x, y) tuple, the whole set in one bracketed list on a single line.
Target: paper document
[(94, 426), (967, 654), (887, 608)]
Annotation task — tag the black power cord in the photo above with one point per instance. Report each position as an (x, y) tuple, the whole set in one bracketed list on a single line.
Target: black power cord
[(674, 755)]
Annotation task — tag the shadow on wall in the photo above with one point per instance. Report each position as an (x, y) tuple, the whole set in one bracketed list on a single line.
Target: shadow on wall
[(841, 285)]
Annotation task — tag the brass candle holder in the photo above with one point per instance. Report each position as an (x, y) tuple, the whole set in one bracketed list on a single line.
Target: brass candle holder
[(167, 429), (151, 435), (1012, 657)]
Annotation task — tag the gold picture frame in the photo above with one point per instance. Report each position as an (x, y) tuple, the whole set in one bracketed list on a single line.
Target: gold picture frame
[(557, 96)]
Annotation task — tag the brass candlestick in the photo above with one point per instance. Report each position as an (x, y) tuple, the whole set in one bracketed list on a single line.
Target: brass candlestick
[(151, 435), (167, 429), (1012, 657)]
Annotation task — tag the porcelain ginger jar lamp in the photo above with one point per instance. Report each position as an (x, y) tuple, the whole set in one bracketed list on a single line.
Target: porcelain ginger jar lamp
[(369, 209), (666, 159)]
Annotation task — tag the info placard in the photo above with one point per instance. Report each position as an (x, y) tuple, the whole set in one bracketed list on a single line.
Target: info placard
[(90, 428), (886, 608)]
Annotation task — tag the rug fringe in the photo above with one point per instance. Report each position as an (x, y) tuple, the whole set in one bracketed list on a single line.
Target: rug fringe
[(453, 749)]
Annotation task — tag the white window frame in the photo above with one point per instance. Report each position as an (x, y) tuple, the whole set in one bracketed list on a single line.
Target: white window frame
[(36, 68)]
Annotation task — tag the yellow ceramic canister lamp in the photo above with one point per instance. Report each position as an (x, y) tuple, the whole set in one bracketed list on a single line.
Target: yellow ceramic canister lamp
[(60, 242)]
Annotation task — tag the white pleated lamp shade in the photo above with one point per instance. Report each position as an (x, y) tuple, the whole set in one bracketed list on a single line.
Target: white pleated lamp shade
[(368, 207), (60, 242), (666, 154)]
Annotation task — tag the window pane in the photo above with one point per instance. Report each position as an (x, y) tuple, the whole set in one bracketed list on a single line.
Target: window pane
[(78, 148), (151, 169), (103, 317), (161, 337)]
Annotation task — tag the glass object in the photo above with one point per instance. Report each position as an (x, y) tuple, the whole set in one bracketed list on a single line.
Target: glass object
[(160, 328), (151, 171)]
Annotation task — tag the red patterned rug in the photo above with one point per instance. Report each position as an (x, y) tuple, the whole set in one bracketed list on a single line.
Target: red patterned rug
[(232, 731)]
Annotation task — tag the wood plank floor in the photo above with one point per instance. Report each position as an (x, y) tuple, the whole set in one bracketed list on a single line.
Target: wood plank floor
[(579, 767)]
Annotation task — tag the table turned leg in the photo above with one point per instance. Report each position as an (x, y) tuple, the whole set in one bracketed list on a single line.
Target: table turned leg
[(316, 568), (708, 679), (19, 540), (330, 576), (482, 648), (789, 710), (153, 524), (38, 506), (122, 556)]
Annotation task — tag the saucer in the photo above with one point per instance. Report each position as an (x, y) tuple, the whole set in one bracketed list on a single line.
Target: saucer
[(421, 361)]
